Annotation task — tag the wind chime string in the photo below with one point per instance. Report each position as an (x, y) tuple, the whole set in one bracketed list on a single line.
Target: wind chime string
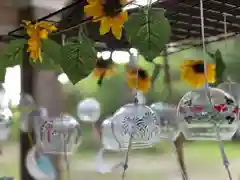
[(174, 149), (65, 151), (125, 165), (225, 37), (223, 154)]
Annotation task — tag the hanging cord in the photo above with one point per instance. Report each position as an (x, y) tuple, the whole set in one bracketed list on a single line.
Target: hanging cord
[(225, 28), (225, 37), (65, 151), (174, 148), (125, 165), (204, 47), (223, 154), (66, 157)]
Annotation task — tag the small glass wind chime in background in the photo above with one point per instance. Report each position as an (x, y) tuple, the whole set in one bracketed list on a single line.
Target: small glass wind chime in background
[(54, 136)]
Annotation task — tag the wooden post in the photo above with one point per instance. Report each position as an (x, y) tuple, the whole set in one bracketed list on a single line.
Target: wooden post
[(27, 88), (27, 77)]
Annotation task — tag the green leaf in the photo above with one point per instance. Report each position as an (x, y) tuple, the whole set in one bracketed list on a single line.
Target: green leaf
[(148, 32), (51, 55), (46, 64), (78, 59), (13, 54), (51, 49), (2, 71), (220, 67)]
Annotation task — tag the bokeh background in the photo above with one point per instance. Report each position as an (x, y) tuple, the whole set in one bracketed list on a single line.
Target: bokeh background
[(203, 159)]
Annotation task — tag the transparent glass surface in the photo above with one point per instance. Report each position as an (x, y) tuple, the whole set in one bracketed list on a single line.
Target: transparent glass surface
[(202, 114), (89, 110), (5, 123), (138, 121), (58, 135), (168, 120), (39, 166), (231, 88), (108, 139)]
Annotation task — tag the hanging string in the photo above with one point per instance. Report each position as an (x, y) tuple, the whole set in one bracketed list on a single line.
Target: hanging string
[(203, 44), (174, 149), (225, 37), (125, 165), (223, 154), (65, 150), (225, 28)]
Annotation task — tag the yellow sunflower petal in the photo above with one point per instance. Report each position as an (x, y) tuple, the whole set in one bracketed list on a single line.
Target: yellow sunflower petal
[(211, 73), (144, 85), (201, 80), (93, 1), (186, 72), (93, 10), (105, 25), (30, 31), (117, 24), (120, 19), (26, 23), (53, 28), (117, 32), (44, 24), (131, 81), (43, 34), (97, 72)]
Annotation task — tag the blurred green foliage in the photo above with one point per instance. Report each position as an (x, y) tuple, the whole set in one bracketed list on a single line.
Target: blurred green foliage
[(114, 91)]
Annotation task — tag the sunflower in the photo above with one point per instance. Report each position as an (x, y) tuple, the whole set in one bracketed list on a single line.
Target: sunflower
[(103, 69), (193, 73), (109, 13), (36, 33), (138, 79)]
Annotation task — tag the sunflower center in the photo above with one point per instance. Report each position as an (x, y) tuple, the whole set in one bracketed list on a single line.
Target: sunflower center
[(102, 64), (142, 74), (112, 7), (198, 68)]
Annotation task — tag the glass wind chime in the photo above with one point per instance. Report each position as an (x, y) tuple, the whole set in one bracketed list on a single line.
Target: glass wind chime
[(54, 136)]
